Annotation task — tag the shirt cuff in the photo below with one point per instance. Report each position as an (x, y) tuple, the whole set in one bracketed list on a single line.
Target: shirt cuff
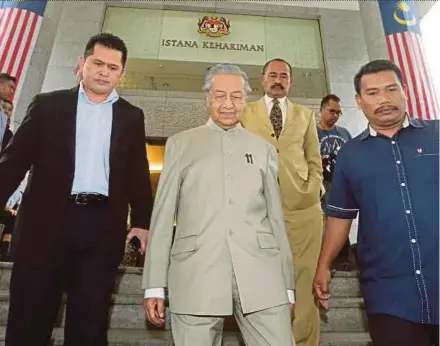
[(291, 296), (154, 293)]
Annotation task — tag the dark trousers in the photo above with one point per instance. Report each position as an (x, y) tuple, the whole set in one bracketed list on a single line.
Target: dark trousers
[(387, 330), (83, 268)]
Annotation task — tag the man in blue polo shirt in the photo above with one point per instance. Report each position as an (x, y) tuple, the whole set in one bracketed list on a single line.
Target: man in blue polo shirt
[(389, 174)]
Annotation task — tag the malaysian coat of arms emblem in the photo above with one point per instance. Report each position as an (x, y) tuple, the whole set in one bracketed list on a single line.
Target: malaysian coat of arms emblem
[(214, 26)]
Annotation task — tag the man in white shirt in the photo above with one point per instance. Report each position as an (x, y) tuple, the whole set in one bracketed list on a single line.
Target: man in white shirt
[(230, 253)]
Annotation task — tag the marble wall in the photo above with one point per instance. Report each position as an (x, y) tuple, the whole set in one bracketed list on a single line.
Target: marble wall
[(170, 112)]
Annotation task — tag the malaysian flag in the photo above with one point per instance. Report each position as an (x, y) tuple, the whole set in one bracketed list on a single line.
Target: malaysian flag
[(404, 42), (20, 22)]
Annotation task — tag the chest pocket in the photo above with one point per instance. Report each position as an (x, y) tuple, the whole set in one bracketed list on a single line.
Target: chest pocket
[(427, 167)]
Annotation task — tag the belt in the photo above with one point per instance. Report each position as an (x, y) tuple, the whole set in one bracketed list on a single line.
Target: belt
[(87, 198)]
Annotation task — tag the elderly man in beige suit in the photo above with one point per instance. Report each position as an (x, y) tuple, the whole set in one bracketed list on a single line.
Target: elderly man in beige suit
[(292, 130), (230, 253)]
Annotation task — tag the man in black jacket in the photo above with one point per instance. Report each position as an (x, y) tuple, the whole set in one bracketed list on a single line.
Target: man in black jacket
[(85, 149)]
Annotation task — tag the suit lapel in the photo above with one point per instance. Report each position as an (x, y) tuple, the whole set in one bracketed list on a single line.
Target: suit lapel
[(69, 121), (290, 119), (117, 130)]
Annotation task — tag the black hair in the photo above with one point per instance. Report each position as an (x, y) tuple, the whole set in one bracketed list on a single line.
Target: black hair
[(107, 40), (276, 59), (6, 77), (331, 97), (376, 66)]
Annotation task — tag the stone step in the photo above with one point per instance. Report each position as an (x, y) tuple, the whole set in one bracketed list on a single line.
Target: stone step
[(129, 281), (129, 337), (344, 315)]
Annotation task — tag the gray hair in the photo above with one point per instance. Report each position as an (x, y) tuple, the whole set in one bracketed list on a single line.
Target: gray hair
[(226, 69)]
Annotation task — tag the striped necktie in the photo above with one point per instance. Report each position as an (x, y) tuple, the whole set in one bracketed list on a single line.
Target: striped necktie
[(276, 118)]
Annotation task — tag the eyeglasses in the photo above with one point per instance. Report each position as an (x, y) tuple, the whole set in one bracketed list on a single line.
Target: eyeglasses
[(334, 112)]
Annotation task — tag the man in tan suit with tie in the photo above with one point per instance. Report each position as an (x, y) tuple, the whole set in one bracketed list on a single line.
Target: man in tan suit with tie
[(230, 253), (292, 130)]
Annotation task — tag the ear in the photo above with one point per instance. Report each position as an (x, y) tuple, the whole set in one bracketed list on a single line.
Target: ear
[(262, 79), (358, 101), (81, 62)]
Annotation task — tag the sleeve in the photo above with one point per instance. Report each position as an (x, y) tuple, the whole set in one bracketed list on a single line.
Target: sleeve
[(155, 293), (139, 184), (342, 203), (18, 156), (311, 150), (276, 217), (162, 221)]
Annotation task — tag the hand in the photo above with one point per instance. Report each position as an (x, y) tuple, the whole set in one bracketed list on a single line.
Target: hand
[(155, 310), (320, 286), (292, 311), (142, 235), (11, 211)]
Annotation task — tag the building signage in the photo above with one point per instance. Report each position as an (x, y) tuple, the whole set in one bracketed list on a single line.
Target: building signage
[(213, 27)]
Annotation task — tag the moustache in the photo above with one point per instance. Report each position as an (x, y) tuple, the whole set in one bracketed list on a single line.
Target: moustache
[(277, 85), (380, 109)]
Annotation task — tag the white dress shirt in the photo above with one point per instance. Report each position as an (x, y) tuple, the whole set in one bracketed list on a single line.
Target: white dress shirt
[(92, 149), (283, 105)]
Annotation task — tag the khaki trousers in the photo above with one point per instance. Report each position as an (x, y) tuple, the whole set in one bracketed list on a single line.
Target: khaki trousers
[(270, 327), (304, 228)]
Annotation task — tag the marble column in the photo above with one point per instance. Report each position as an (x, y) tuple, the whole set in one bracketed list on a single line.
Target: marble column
[(34, 77), (374, 33)]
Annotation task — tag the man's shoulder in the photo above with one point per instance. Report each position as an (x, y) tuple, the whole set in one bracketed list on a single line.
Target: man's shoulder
[(299, 108), (352, 148), (429, 125), (187, 135), (252, 104), (256, 140), (57, 94), (127, 104)]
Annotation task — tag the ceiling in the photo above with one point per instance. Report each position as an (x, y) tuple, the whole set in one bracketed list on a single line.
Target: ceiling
[(168, 75)]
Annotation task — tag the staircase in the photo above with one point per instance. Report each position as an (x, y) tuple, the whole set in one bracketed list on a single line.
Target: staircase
[(343, 325)]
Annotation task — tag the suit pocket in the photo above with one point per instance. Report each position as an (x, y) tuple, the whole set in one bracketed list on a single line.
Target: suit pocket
[(184, 245), (303, 174), (267, 241)]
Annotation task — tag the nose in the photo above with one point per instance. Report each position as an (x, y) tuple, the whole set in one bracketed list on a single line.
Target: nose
[(382, 98), (228, 103)]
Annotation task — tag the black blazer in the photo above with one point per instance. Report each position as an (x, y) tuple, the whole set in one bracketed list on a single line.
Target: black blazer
[(45, 144)]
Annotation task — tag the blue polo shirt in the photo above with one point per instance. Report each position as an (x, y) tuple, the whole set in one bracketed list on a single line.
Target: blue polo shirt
[(393, 183)]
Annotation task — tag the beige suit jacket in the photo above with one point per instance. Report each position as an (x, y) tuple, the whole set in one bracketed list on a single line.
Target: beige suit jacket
[(229, 220), (298, 149)]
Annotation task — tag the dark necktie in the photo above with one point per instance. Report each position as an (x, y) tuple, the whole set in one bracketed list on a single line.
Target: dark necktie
[(276, 117)]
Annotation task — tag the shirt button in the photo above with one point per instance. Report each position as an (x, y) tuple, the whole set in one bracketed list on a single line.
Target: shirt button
[(408, 211), (392, 142), (228, 176), (418, 272), (398, 162), (230, 202), (230, 232), (413, 241), (403, 184)]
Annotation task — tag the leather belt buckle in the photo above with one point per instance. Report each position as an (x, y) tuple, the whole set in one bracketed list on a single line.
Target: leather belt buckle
[(81, 199)]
